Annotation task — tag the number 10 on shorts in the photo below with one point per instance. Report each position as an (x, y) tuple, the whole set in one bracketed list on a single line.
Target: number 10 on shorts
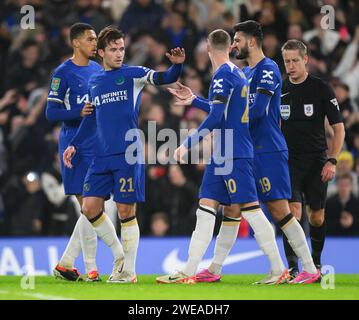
[(231, 185)]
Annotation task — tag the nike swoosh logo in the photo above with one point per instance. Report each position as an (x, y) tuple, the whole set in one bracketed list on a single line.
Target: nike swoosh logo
[(172, 262), (284, 94), (171, 278), (93, 87)]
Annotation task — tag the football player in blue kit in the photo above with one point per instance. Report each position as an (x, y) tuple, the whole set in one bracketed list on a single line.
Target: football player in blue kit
[(115, 93), (270, 154), (270, 149), (230, 182), (66, 103)]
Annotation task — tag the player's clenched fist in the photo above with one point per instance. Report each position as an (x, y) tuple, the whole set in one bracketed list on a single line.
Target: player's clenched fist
[(87, 109), (68, 155)]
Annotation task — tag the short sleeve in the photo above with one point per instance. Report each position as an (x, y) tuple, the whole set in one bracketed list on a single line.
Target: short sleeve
[(331, 105)]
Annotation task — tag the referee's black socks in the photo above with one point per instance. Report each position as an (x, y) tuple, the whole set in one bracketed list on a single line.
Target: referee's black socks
[(317, 237)]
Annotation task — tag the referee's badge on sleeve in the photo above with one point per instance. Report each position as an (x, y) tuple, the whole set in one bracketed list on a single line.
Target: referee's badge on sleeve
[(308, 110), (285, 111)]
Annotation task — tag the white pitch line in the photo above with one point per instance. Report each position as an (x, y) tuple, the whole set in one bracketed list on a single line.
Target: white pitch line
[(44, 296), (36, 295)]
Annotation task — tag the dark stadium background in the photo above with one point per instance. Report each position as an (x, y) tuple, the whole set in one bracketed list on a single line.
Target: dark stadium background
[(31, 197)]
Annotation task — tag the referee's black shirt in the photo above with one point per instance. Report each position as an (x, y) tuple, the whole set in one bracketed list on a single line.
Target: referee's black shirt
[(303, 109)]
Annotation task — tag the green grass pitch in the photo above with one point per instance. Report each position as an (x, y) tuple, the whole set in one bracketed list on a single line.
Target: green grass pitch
[(232, 287)]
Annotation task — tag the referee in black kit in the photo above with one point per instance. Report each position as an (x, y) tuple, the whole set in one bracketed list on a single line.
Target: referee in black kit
[(305, 103)]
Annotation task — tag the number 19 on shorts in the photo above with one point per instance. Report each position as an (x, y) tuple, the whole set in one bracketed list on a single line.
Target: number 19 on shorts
[(265, 184)]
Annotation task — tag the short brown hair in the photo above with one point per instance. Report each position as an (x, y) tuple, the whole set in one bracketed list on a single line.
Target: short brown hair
[(219, 39), (108, 35), (295, 45), (250, 28)]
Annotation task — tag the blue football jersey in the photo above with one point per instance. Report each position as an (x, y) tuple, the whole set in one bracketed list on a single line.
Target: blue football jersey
[(69, 87), (229, 83), (265, 131), (116, 95), (66, 98)]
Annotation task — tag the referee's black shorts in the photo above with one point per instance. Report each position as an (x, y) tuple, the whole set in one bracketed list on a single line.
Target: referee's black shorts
[(306, 180)]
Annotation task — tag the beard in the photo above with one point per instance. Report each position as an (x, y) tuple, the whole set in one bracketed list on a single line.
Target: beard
[(243, 54)]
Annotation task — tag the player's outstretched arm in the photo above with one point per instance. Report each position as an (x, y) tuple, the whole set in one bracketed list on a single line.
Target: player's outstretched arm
[(211, 122), (185, 97), (177, 57)]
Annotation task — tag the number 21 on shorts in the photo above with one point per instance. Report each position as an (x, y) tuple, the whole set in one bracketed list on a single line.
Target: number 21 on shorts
[(126, 185)]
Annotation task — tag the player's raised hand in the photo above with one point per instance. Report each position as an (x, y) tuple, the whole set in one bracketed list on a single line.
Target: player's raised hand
[(179, 153), (68, 155), (87, 109), (176, 56)]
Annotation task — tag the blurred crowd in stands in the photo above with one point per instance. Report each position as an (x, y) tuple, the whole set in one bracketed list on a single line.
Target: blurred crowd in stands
[(32, 201)]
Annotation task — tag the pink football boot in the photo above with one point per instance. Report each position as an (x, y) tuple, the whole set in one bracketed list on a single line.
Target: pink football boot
[(206, 276)]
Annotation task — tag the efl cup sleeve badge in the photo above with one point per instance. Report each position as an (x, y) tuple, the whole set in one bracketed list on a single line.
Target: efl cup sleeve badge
[(285, 111), (55, 83), (308, 110), (86, 187)]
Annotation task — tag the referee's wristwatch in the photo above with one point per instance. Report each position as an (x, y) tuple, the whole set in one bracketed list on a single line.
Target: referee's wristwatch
[(332, 161)]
